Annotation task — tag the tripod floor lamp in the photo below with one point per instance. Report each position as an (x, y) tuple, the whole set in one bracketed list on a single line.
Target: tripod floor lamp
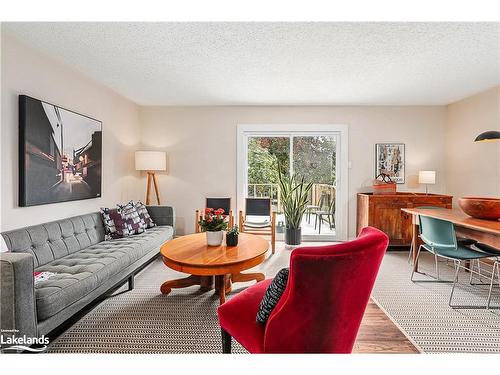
[(151, 161)]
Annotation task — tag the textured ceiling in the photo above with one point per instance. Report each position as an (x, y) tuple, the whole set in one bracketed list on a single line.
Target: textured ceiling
[(277, 63)]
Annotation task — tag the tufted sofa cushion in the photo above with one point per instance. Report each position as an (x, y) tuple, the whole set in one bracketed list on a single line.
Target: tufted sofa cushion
[(79, 273), (50, 241)]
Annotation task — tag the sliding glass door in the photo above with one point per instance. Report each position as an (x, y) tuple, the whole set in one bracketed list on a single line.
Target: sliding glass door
[(313, 155)]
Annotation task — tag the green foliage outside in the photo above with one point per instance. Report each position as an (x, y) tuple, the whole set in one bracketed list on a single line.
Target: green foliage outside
[(314, 158)]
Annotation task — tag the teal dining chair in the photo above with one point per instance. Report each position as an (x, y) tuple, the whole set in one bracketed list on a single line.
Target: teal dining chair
[(460, 240), (440, 239)]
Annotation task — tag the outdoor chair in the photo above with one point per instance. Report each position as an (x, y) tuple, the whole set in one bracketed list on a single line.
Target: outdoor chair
[(328, 213)]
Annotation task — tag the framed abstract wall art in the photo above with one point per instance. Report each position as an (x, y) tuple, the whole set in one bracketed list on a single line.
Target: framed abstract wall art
[(390, 159), (60, 154)]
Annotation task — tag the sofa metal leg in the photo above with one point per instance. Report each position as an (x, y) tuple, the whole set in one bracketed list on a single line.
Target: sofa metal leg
[(131, 282), (226, 342)]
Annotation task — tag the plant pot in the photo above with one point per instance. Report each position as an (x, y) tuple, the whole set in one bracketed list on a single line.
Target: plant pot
[(215, 238), (231, 239), (293, 236)]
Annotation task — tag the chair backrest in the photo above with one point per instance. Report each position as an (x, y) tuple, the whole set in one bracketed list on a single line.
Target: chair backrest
[(215, 203), (425, 208), (258, 207), (331, 209), (323, 201), (437, 233), (326, 295)]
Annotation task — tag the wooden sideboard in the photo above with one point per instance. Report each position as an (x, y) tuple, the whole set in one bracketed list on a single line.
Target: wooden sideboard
[(384, 212)]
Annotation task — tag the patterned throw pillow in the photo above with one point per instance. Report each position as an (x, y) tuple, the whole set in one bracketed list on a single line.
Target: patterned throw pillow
[(133, 222), (144, 215), (272, 296), (114, 224)]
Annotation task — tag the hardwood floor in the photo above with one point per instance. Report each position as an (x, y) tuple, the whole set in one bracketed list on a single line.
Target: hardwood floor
[(378, 334)]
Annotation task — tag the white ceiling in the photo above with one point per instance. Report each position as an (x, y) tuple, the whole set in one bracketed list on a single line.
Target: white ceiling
[(277, 63)]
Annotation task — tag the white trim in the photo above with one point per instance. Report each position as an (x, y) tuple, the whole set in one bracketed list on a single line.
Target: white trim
[(341, 130)]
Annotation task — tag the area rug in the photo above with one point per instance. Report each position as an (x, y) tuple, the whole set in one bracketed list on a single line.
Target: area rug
[(144, 321), (421, 310)]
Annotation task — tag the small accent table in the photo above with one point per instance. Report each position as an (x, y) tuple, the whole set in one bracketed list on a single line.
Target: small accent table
[(209, 265)]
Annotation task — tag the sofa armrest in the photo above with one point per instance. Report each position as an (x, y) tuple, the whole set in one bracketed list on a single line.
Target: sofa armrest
[(162, 215), (17, 292)]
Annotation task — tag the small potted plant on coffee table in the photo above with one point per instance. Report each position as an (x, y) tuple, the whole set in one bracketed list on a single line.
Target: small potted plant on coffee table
[(232, 236), (214, 223)]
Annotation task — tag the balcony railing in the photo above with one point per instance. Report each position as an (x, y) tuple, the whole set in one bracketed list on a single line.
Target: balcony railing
[(271, 190)]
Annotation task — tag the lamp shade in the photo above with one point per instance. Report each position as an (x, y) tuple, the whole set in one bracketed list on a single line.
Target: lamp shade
[(427, 177), (491, 135), (150, 161)]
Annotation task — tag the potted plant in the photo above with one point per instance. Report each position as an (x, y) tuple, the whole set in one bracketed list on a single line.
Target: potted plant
[(232, 236), (294, 197), (213, 223)]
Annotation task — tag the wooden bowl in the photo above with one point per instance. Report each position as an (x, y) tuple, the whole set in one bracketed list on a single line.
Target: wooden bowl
[(481, 208)]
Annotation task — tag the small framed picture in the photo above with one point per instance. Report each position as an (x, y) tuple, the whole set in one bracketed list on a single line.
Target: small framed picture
[(390, 159)]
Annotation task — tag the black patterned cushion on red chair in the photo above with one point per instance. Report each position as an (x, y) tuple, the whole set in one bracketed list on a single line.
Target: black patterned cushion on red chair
[(133, 221), (114, 224), (272, 296), (144, 215)]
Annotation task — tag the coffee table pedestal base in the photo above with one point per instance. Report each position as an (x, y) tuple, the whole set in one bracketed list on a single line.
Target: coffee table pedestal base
[(207, 283)]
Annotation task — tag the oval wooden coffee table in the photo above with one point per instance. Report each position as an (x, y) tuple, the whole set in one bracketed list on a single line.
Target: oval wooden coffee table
[(190, 254)]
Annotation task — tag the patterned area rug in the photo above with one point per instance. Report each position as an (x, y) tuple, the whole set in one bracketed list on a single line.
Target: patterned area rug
[(421, 309), (144, 321)]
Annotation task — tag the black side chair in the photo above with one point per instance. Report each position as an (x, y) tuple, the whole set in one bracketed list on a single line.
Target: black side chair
[(495, 272), (312, 208), (259, 207), (329, 213), (215, 203)]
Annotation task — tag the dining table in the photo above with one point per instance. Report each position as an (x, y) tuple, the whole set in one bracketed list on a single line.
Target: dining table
[(484, 231)]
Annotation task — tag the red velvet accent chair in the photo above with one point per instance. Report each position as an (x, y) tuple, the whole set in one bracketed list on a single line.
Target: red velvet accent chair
[(324, 301)]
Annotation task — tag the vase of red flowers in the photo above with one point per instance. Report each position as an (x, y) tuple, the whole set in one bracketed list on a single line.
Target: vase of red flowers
[(213, 223)]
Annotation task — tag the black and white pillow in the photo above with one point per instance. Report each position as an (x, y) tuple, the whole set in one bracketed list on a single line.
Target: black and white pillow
[(114, 223), (272, 296), (144, 215), (133, 222)]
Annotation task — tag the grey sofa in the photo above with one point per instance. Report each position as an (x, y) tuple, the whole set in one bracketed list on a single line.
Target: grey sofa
[(86, 267)]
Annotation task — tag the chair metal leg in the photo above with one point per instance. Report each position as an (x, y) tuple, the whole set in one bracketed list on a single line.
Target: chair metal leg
[(411, 253), (436, 265), (479, 271), (320, 223), (315, 220), (471, 276), (226, 342), (455, 280), (495, 267)]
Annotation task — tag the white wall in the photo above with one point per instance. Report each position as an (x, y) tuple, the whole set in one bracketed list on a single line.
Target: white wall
[(201, 141), (201, 146), (25, 71), (473, 169)]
